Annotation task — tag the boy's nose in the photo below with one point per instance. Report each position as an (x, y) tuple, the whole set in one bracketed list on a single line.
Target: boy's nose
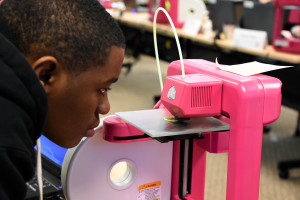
[(104, 107)]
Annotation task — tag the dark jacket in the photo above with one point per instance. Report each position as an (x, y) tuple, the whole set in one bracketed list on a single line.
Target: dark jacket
[(23, 110)]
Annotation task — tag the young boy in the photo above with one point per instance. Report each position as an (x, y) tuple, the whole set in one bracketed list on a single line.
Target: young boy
[(58, 58)]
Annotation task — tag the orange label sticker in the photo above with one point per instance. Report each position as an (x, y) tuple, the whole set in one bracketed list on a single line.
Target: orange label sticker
[(150, 191)]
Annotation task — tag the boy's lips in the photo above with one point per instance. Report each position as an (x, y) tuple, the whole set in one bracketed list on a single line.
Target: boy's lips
[(91, 131), (95, 125)]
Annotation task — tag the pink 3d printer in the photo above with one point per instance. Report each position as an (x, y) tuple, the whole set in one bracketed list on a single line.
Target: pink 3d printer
[(179, 10), (208, 110), (280, 43)]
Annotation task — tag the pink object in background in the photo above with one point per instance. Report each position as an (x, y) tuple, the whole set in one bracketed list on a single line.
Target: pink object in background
[(280, 43)]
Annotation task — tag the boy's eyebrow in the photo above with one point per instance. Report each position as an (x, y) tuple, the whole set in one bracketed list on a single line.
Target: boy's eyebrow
[(112, 80)]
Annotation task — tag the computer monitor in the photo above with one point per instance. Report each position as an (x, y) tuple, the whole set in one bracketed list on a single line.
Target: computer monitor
[(258, 16), (222, 12), (52, 151)]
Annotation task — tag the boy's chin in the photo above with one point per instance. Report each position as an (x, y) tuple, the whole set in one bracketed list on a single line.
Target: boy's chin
[(70, 143), (66, 143)]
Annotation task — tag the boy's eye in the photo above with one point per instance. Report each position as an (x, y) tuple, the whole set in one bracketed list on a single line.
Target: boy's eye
[(104, 90)]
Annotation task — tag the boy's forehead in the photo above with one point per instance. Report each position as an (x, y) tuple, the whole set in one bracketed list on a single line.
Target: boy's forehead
[(102, 74), (107, 72)]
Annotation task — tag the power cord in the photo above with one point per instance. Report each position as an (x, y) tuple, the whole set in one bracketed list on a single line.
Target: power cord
[(156, 49), (39, 168)]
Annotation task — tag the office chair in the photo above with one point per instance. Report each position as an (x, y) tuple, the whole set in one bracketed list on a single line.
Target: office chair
[(133, 46), (290, 98), (284, 166)]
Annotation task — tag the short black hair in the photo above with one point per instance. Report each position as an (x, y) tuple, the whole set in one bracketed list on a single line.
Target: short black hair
[(76, 32)]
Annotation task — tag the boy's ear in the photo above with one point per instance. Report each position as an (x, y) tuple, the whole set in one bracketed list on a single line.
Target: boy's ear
[(45, 69)]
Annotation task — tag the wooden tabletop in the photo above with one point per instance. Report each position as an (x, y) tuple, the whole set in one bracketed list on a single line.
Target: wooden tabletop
[(141, 21)]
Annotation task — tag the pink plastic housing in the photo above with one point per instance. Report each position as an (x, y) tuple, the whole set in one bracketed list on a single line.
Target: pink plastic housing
[(194, 95), (280, 43), (118, 131), (248, 103)]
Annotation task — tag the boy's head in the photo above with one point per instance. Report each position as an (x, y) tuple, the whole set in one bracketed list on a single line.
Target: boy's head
[(76, 49)]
